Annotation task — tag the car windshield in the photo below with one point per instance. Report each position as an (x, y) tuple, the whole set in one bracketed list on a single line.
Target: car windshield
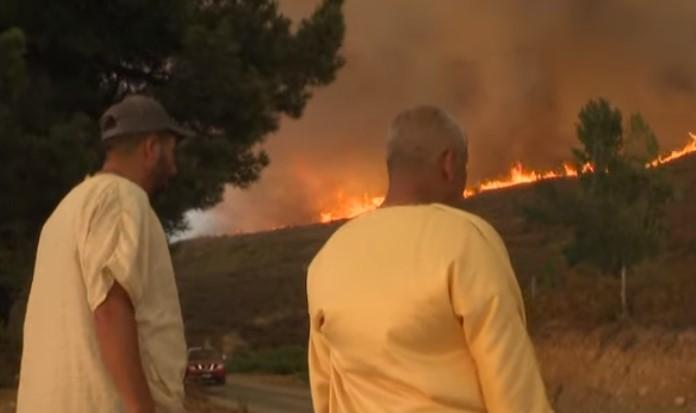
[(204, 354)]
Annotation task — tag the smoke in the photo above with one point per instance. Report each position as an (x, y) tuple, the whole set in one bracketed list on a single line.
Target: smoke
[(515, 73)]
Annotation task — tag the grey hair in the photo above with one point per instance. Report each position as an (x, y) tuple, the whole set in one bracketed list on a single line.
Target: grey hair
[(419, 135)]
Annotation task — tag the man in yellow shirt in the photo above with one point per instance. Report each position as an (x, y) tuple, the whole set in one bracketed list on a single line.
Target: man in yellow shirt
[(414, 307), (103, 330)]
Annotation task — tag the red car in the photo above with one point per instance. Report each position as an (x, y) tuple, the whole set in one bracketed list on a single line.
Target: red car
[(206, 365)]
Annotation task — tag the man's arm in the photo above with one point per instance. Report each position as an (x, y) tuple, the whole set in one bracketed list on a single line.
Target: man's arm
[(319, 367), (117, 335), (507, 367), (487, 302)]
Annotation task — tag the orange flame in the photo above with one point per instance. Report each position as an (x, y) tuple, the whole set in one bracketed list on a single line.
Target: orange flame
[(349, 207), (689, 148)]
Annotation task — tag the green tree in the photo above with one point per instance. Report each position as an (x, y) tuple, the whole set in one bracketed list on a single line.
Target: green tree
[(13, 80), (229, 69), (616, 217)]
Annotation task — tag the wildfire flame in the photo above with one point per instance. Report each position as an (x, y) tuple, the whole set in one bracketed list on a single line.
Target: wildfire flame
[(689, 148), (349, 207)]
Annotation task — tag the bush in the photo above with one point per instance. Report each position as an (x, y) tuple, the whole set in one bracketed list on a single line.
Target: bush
[(281, 360)]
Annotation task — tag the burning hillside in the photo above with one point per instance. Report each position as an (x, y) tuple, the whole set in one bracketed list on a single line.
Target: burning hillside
[(517, 95), (349, 207)]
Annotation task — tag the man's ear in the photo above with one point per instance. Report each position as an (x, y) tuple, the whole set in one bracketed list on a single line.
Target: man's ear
[(151, 146), (448, 161)]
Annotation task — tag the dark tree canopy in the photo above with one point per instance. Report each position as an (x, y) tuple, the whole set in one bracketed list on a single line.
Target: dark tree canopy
[(227, 69)]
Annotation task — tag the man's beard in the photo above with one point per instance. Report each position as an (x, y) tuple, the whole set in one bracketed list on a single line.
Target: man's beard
[(160, 175)]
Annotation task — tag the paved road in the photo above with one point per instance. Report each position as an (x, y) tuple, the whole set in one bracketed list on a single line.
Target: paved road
[(260, 397)]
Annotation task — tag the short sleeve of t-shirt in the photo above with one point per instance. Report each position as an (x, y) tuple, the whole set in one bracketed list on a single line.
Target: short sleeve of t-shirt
[(110, 248)]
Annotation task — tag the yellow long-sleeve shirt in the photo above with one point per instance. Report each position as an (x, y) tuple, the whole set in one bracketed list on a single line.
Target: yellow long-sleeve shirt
[(417, 309)]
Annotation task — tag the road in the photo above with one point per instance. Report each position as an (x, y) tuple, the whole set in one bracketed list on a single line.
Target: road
[(262, 396)]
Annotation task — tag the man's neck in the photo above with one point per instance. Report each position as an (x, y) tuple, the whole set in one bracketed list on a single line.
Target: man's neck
[(415, 195), (397, 196), (131, 174)]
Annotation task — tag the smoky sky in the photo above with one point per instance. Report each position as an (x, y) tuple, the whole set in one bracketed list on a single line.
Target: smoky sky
[(513, 73)]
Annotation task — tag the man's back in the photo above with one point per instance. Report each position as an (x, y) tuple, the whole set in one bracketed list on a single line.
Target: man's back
[(416, 309), (103, 231)]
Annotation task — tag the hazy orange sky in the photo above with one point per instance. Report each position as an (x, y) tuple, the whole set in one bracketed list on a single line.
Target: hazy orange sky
[(514, 73)]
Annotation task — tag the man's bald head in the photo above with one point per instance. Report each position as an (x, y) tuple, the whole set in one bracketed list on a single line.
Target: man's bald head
[(427, 154), (418, 136)]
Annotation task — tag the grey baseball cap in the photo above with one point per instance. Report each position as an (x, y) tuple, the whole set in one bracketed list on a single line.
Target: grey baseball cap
[(138, 114)]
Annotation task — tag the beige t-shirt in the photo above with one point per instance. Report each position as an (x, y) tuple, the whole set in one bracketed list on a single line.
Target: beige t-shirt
[(103, 231), (416, 309)]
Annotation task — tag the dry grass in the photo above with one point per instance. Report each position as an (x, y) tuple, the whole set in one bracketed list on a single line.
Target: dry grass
[(196, 402), (248, 292), (249, 286)]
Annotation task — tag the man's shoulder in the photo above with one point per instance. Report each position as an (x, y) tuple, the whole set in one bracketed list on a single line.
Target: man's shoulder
[(474, 230), (449, 222), (442, 217), (110, 189), (101, 196), (447, 229), (458, 216)]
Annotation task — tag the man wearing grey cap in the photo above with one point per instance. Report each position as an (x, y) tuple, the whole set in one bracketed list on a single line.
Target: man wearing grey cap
[(103, 330)]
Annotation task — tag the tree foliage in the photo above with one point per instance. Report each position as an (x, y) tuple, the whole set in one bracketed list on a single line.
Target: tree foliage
[(229, 69), (616, 218)]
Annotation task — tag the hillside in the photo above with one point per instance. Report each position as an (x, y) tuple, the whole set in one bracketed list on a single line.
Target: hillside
[(248, 292), (253, 284)]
